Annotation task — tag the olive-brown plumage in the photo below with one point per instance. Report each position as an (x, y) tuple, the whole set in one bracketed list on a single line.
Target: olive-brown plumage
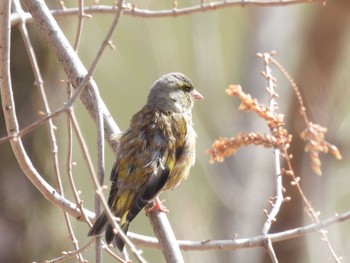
[(154, 154)]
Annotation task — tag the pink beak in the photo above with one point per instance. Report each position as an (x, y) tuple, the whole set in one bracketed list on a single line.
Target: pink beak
[(196, 95)]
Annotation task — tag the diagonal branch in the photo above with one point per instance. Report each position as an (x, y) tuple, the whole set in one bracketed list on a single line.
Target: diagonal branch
[(71, 64)]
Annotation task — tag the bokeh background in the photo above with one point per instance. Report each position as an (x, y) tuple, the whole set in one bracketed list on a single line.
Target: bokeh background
[(215, 49)]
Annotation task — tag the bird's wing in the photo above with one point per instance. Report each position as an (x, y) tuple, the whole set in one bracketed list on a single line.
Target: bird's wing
[(170, 140), (147, 154)]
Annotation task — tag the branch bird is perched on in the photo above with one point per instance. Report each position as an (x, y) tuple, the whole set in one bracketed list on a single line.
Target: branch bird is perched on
[(154, 154)]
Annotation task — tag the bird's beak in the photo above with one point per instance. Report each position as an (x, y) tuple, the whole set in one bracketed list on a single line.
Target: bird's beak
[(196, 95)]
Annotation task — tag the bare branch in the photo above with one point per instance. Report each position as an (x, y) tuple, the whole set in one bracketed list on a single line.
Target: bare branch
[(81, 17), (175, 12), (278, 200), (166, 237), (69, 254), (257, 241)]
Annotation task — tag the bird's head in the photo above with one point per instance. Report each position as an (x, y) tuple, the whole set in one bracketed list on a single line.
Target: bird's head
[(173, 92)]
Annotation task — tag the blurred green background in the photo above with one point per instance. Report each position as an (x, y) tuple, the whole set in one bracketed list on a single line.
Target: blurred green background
[(215, 49)]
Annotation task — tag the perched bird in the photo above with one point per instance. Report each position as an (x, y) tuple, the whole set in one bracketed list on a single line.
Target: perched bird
[(154, 154)]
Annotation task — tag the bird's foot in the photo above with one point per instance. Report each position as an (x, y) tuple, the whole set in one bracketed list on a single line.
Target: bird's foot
[(157, 206)]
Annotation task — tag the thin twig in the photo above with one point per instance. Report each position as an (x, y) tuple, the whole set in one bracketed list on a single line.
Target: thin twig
[(268, 246), (100, 172), (302, 107), (69, 254), (70, 176), (81, 16)]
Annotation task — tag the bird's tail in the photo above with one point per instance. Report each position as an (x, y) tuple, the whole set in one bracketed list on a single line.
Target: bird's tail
[(118, 241), (99, 225)]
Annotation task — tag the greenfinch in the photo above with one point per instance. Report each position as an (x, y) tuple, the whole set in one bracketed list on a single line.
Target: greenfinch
[(155, 153)]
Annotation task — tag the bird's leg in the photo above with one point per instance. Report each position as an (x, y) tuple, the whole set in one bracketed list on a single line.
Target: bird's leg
[(157, 206)]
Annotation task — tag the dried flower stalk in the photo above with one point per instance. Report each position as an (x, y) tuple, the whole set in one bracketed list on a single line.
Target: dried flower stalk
[(279, 137)]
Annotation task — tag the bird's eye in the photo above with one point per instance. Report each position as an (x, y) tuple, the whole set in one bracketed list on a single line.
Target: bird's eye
[(186, 88)]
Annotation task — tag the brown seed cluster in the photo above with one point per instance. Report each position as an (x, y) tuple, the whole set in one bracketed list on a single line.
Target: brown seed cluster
[(314, 135), (250, 104), (279, 137), (224, 147)]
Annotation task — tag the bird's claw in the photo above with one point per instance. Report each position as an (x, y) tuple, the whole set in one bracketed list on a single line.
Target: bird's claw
[(157, 206)]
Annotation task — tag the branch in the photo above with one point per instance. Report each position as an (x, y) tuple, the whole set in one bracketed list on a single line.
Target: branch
[(69, 254), (234, 244), (278, 200), (175, 12), (166, 237)]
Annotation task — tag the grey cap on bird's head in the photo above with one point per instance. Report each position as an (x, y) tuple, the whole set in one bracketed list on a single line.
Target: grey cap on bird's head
[(173, 78), (168, 86)]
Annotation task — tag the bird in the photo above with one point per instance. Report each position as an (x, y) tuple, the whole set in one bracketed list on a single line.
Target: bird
[(154, 154)]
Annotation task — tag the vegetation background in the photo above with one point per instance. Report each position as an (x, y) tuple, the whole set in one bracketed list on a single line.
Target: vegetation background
[(215, 49)]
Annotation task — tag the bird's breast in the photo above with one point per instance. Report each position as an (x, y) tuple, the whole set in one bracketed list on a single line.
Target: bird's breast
[(185, 159)]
